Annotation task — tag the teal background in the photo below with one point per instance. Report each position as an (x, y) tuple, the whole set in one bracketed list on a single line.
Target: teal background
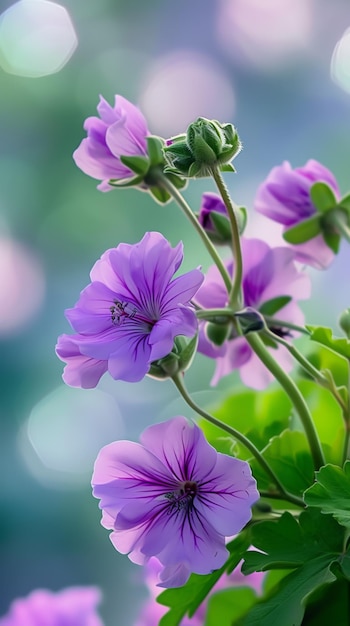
[(50, 534)]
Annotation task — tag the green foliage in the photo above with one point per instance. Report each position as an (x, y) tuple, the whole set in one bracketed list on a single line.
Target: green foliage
[(227, 606), (331, 492), (271, 307), (259, 416), (289, 456), (324, 335), (329, 605), (322, 197), (303, 231), (311, 547), (186, 600)]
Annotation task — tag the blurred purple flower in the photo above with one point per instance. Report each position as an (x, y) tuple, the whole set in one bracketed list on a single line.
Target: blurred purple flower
[(74, 606), (173, 496), (152, 611), (285, 197), (119, 131), (268, 273), (130, 313)]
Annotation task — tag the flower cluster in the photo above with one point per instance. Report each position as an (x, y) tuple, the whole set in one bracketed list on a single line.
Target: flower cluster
[(173, 501)]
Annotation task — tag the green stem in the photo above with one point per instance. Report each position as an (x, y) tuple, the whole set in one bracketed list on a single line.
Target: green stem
[(285, 495), (235, 293), (181, 202), (208, 314), (294, 394), (272, 321), (308, 367)]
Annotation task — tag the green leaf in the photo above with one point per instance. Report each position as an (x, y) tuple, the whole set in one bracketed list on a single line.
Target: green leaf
[(126, 182), (186, 600), (345, 202), (289, 456), (287, 606), (323, 335), (332, 240), (287, 543), (303, 231), (259, 416), (226, 606), (329, 605), (322, 197), (227, 167), (138, 164), (275, 304), (331, 492), (312, 546)]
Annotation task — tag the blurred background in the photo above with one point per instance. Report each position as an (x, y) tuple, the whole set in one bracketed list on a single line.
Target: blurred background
[(280, 71)]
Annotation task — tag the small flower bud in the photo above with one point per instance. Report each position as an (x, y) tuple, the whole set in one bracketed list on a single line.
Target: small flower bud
[(206, 144), (178, 361), (218, 333), (250, 320)]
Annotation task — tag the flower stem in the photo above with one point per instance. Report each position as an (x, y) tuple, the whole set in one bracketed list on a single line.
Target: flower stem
[(181, 202), (272, 321), (284, 494), (309, 368), (294, 394), (235, 293)]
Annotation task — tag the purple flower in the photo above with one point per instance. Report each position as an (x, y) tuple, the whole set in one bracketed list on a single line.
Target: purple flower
[(269, 273), (285, 197), (119, 131), (174, 497), (74, 606), (130, 313), (152, 611)]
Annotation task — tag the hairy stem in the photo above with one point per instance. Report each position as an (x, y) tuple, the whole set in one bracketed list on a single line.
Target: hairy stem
[(235, 293), (181, 202)]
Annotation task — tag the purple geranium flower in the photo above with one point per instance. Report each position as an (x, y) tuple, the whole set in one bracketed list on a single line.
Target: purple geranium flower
[(268, 273), (285, 197), (74, 606), (174, 497), (130, 313), (119, 131)]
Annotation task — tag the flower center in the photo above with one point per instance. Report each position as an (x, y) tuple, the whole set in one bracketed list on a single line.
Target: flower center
[(183, 497), (122, 310)]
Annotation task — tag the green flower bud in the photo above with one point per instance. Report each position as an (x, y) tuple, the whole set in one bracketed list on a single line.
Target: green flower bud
[(207, 144), (218, 333), (178, 361)]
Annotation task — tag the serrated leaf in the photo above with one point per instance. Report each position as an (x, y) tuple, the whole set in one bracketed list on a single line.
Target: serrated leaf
[(324, 336), (287, 543), (322, 197), (303, 231), (275, 304), (289, 456), (228, 605), (331, 492), (287, 605), (186, 600)]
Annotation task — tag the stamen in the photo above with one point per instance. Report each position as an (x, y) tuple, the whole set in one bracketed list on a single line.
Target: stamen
[(122, 310)]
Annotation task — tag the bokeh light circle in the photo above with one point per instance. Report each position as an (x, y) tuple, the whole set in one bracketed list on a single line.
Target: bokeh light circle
[(340, 62), (37, 38), (183, 86), (65, 431)]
